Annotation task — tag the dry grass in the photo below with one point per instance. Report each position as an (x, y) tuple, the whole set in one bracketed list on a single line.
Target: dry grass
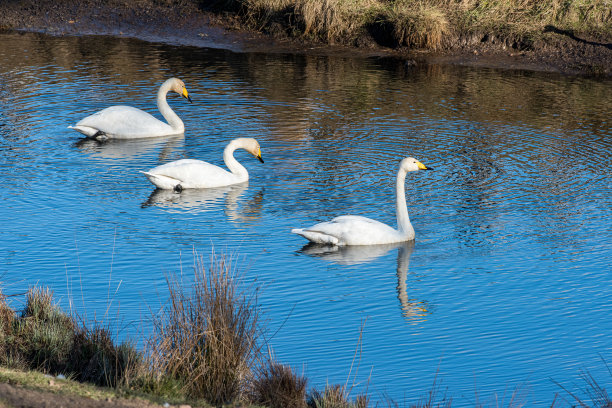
[(430, 24), (336, 396), (335, 20), (206, 337), (277, 386), (594, 390), (424, 26), (528, 16)]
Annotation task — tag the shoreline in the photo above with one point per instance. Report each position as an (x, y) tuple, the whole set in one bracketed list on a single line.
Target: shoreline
[(182, 23)]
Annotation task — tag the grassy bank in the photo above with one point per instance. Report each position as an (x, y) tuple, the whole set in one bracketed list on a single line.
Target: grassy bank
[(429, 24), (206, 350)]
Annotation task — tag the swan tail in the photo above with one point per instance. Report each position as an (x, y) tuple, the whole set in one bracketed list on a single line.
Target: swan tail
[(86, 130), (317, 237), (161, 181)]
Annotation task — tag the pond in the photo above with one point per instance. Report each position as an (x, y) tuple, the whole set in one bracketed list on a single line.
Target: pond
[(505, 291)]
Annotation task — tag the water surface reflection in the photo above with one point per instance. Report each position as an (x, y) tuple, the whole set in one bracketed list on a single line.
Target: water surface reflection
[(512, 228), (354, 255), (169, 147), (195, 201)]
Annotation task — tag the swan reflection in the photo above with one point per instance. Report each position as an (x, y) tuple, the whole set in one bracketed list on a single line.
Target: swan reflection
[(132, 148), (236, 207), (359, 254)]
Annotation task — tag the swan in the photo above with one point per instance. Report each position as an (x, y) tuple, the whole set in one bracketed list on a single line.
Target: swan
[(189, 173), (126, 122), (357, 230)]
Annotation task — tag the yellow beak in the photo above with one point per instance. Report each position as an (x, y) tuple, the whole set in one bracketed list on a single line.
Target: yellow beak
[(422, 166), (185, 95)]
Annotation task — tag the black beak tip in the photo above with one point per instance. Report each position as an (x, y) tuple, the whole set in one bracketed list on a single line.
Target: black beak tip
[(189, 99), (429, 168), (260, 159)]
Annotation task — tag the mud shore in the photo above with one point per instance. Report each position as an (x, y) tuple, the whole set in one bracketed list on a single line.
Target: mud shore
[(182, 22)]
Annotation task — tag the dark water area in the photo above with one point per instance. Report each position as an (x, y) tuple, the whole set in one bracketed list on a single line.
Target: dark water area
[(506, 289)]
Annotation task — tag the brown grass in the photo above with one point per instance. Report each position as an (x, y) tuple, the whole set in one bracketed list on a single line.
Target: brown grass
[(335, 20), (206, 337), (277, 386), (430, 24), (336, 396), (424, 26)]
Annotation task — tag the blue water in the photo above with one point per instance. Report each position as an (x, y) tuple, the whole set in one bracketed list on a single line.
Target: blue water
[(506, 290)]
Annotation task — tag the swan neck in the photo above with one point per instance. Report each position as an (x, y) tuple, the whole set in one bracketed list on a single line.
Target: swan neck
[(403, 220), (162, 104), (232, 164)]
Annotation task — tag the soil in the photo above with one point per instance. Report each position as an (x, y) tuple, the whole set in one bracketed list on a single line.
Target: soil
[(16, 396), (183, 22)]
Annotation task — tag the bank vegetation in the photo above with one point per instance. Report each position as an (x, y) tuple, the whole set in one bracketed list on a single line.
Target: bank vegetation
[(208, 348), (428, 24)]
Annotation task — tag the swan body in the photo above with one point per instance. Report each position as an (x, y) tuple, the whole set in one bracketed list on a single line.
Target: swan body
[(126, 122), (189, 173), (358, 230)]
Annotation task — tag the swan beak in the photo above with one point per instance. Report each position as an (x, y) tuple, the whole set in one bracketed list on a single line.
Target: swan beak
[(423, 167), (185, 95), (258, 155)]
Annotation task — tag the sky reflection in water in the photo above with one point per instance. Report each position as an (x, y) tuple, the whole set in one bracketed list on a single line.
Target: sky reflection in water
[(506, 285)]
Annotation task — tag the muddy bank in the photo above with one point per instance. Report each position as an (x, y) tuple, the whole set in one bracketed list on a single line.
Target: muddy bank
[(183, 22), (13, 395)]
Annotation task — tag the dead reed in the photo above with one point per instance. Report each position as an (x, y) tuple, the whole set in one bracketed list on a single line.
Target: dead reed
[(206, 337), (336, 396), (276, 385), (429, 24), (593, 393)]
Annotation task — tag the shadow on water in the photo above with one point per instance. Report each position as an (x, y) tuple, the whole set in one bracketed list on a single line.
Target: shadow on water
[(355, 255)]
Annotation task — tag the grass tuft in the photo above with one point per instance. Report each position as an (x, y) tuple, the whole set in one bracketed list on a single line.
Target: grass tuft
[(424, 26), (206, 337), (335, 21), (429, 24), (44, 338), (277, 386), (96, 358), (336, 396)]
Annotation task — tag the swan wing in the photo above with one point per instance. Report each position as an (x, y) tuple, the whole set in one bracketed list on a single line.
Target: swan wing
[(351, 230), (191, 173), (124, 122)]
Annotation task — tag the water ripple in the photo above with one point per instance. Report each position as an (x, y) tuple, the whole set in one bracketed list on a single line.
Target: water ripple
[(506, 277)]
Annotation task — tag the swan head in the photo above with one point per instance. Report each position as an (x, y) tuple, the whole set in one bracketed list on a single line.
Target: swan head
[(412, 164), (178, 86), (250, 145)]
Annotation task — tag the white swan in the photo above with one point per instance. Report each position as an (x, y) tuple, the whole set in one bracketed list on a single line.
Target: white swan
[(357, 230), (126, 122), (189, 173)]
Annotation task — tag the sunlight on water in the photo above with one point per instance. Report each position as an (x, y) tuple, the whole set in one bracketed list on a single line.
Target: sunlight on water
[(507, 284)]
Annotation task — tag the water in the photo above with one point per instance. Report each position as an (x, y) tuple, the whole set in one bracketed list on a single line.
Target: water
[(506, 288)]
